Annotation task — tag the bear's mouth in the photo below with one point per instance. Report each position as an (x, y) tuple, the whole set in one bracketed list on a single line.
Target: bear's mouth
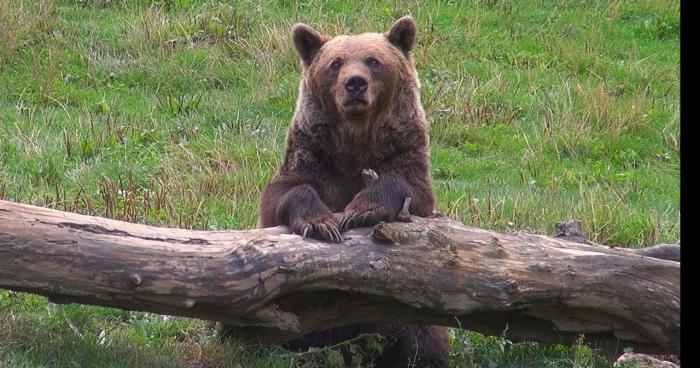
[(355, 102)]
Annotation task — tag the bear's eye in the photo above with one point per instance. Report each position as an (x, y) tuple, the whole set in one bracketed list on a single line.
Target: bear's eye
[(373, 62), (336, 64)]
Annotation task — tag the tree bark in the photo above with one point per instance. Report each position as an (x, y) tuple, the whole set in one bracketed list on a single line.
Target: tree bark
[(277, 286)]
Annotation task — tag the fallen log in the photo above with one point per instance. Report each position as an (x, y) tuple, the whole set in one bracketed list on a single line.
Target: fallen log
[(277, 286)]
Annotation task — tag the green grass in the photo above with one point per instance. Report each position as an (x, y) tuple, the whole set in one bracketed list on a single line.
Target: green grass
[(173, 113)]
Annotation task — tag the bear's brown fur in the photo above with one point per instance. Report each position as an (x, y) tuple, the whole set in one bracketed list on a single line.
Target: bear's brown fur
[(358, 108)]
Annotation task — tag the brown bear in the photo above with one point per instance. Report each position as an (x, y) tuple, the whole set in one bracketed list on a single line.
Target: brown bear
[(358, 108)]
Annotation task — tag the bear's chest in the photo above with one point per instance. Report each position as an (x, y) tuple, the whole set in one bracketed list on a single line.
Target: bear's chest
[(352, 154)]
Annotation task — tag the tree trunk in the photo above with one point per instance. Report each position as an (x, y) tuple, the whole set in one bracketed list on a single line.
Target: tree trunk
[(277, 286)]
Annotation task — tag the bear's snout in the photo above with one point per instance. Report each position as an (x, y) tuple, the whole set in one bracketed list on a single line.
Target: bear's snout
[(356, 84)]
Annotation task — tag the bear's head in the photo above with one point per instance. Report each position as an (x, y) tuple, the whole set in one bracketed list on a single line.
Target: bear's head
[(357, 76)]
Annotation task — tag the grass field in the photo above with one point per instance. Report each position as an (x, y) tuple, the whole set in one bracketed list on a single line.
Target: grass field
[(173, 113)]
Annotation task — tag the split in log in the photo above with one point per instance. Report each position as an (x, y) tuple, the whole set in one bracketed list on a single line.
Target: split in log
[(277, 286)]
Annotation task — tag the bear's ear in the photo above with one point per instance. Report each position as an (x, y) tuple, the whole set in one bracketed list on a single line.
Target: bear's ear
[(403, 34), (307, 42)]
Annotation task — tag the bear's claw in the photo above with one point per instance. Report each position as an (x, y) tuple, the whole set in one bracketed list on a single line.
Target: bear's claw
[(323, 227)]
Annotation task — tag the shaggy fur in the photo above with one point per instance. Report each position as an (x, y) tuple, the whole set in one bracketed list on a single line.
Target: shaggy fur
[(358, 108)]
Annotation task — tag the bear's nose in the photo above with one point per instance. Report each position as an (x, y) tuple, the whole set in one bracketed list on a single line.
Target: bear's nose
[(356, 84)]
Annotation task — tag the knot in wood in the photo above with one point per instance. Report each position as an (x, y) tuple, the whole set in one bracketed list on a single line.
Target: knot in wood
[(511, 286), (135, 279), (492, 247), (568, 228), (571, 230), (383, 232), (438, 239), (379, 264), (540, 266)]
